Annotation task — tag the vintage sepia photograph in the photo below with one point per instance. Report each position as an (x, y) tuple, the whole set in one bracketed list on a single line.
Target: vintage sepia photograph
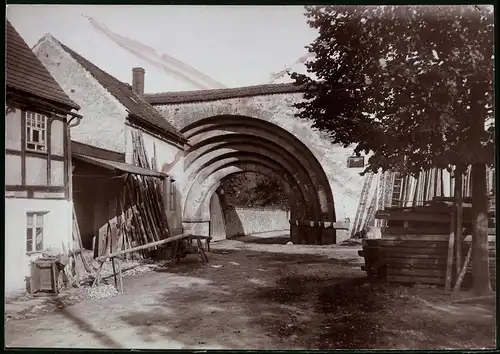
[(250, 177)]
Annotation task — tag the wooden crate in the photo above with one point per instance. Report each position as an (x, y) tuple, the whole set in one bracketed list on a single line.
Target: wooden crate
[(44, 277)]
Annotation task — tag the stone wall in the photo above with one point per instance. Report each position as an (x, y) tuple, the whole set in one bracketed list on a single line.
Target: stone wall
[(103, 123), (346, 183), (246, 221)]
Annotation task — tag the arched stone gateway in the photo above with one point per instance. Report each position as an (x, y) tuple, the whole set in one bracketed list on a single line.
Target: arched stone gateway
[(228, 144), (254, 129)]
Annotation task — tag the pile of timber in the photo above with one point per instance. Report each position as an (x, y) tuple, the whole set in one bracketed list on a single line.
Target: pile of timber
[(414, 247), (412, 259), (142, 218), (76, 268)]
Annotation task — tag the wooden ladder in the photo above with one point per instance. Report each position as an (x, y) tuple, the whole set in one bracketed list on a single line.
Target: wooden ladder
[(362, 203)]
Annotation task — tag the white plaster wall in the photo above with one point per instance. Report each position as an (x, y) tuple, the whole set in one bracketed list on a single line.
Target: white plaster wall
[(57, 138), (13, 141), (248, 221), (346, 183), (13, 130), (57, 173), (57, 230), (166, 154), (104, 116), (13, 170), (36, 170)]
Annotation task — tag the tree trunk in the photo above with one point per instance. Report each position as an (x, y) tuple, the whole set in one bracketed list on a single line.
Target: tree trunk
[(480, 259)]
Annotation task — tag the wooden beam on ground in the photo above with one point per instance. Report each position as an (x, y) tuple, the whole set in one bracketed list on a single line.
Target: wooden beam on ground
[(143, 247)]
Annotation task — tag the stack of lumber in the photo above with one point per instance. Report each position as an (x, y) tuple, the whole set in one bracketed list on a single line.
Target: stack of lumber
[(142, 217), (417, 261), (414, 247), (77, 268), (146, 221)]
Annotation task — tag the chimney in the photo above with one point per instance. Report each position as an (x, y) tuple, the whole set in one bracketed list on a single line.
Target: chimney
[(138, 81)]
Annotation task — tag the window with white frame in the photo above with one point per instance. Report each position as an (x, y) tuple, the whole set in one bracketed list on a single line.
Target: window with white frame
[(34, 231), (36, 132)]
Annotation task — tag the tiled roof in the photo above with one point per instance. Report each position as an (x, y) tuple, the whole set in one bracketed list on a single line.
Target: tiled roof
[(220, 94), (26, 73), (137, 106)]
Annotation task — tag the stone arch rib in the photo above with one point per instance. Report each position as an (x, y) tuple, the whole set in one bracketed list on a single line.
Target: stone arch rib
[(227, 144), (240, 148)]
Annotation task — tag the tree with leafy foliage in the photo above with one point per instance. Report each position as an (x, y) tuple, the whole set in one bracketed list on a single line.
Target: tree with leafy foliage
[(249, 189), (408, 81)]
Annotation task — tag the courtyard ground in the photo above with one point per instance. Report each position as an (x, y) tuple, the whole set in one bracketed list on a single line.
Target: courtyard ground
[(258, 293)]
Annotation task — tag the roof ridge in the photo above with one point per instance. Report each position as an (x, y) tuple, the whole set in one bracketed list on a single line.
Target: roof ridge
[(222, 94), (225, 89), (72, 53), (123, 92)]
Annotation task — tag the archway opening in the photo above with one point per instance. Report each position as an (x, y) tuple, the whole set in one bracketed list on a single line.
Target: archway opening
[(223, 146)]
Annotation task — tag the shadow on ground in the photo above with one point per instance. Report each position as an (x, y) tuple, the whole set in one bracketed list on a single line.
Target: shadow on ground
[(264, 303), (299, 302), (244, 299), (83, 325), (315, 310)]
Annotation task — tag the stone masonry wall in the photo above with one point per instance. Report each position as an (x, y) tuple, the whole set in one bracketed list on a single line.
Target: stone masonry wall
[(103, 123), (346, 183), (246, 221)]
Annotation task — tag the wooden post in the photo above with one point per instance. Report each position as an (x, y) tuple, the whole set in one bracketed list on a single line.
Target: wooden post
[(452, 184), (417, 186), (469, 189), (426, 186), (120, 275), (458, 196), (96, 204), (406, 197), (403, 192), (114, 272), (435, 182), (441, 179), (451, 246)]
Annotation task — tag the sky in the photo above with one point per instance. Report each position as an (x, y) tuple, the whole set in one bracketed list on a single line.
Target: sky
[(234, 45)]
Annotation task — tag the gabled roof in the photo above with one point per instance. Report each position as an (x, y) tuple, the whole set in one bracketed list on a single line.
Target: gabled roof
[(220, 94), (137, 107), (26, 73)]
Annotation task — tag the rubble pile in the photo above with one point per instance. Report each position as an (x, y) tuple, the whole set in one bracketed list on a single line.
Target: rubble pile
[(102, 292), (128, 266)]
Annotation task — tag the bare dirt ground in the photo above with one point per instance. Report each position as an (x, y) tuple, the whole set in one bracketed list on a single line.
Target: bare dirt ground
[(255, 295)]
